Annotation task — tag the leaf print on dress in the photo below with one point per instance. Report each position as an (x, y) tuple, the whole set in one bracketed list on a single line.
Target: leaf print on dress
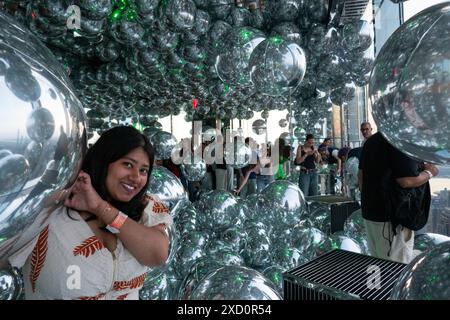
[(88, 247), (159, 207), (132, 284), (38, 257)]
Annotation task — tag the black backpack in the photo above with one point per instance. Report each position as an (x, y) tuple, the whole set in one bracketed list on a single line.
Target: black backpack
[(407, 207)]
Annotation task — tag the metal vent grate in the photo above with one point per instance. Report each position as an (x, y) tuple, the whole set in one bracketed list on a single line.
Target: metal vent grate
[(353, 10), (340, 274)]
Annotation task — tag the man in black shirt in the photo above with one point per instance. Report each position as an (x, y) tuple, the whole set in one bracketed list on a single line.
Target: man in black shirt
[(377, 159), (366, 131)]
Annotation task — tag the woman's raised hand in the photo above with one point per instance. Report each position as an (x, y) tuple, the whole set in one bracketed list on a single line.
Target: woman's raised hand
[(83, 196)]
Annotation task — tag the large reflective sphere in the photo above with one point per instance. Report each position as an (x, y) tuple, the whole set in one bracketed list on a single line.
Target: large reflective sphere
[(277, 66), (233, 62), (164, 142), (427, 277), (287, 196), (153, 272), (409, 86), (42, 135), (307, 239), (199, 270), (218, 210), (235, 283), (193, 171), (166, 186)]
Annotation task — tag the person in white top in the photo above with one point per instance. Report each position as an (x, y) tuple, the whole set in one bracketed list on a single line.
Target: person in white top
[(100, 244)]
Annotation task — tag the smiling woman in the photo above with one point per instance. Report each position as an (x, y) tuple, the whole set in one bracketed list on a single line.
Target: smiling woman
[(109, 229)]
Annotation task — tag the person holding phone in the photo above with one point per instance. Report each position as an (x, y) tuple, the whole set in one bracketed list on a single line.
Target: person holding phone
[(308, 158)]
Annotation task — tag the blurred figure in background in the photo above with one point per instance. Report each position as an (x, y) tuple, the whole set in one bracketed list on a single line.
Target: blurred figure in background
[(308, 158)]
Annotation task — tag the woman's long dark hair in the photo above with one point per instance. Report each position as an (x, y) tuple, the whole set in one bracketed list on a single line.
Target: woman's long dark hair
[(110, 147)]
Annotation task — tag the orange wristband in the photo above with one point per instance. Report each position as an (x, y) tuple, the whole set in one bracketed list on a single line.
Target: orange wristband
[(117, 223)]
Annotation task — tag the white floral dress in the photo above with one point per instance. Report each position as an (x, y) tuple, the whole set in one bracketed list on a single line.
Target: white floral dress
[(67, 260)]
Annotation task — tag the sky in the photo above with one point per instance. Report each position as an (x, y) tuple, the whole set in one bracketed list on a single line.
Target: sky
[(412, 7)]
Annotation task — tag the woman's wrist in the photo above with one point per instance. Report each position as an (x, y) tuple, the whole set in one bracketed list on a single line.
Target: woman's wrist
[(106, 212)]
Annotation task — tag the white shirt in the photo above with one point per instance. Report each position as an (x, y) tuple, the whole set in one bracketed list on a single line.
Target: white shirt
[(67, 260)]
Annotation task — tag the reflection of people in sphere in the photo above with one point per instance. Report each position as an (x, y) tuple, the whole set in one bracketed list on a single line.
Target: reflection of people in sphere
[(411, 114), (99, 244)]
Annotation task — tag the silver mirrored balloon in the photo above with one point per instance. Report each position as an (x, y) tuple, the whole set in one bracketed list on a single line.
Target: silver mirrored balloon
[(288, 31), (357, 36), (277, 66), (235, 283), (193, 170), (285, 10), (427, 241), (427, 277), (172, 236), (306, 239), (409, 86), (184, 217), (338, 240), (181, 13), (224, 254), (218, 210), (44, 137), (191, 248), (274, 273), (166, 186), (220, 9), (321, 218), (259, 126), (157, 288), (283, 123), (232, 64), (286, 196), (198, 271), (235, 238), (163, 142), (257, 250), (11, 284), (354, 225), (288, 257)]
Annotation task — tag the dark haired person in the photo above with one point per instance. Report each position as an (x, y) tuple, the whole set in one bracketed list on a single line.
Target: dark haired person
[(100, 243), (382, 165), (308, 158), (326, 143)]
